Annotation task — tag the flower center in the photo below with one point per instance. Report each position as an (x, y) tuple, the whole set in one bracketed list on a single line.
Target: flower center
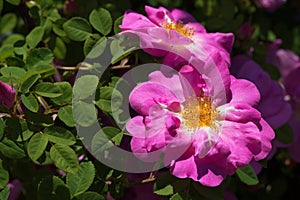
[(179, 27), (199, 112)]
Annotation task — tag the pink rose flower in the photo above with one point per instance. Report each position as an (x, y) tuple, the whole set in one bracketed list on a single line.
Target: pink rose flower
[(288, 63), (270, 5), (274, 109), (203, 134), (7, 94), (165, 31)]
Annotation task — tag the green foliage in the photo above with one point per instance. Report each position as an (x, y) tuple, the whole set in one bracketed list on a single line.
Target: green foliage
[(4, 175), (77, 29), (82, 180), (101, 20), (247, 175), (37, 145)]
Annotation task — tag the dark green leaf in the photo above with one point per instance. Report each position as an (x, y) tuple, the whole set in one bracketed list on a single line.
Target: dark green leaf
[(82, 180), (6, 51), (8, 23), (85, 114), (60, 49), (90, 43), (65, 114), (77, 29), (4, 193), (66, 97), (28, 82), (117, 23), (48, 90), (52, 188), (85, 86), (16, 72), (39, 56), (101, 20), (176, 197), (2, 128), (60, 135), (35, 36), (9, 149), (4, 176), (64, 158), (37, 145), (247, 175), (30, 102), (14, 2)]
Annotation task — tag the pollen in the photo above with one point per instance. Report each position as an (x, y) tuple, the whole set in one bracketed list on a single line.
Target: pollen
[(179, 27), (199, 112)]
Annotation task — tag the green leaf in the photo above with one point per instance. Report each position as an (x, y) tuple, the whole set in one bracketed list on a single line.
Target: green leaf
[(85, 114), (43, 69), (82, 180), (247, 175), (176, 196), (60, 49), (48, 90), (90, 196), (14, 2), (284, 134), (16, 72), (39, 119), (1, 6), (5, 193), (37, 145), (66, 97), (39, 56), (90, 43), (2, 128), (35, 36), (85, 86), (77, 29), (28, 82), (6, 51), (8, 23), (64, 158), (52, 188), (4, 176), (30, 102), (60, 135), (101, 20), (9, 149), (110, 99), (65, 114), (166, 191), (117, 23)]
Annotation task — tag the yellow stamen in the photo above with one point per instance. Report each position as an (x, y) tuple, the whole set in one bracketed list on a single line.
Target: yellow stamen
[(179, 27), (199, 112)]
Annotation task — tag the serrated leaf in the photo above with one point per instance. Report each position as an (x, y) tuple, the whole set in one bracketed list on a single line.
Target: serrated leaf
[(247, 175), (82, 180), (84, 114), (90, 196), (166, 191), (66, 97), (28, 82), (77, 29), (39, 56), (85, 86), (64, 158), (65, 114), (35, 36), (48, 90), (101, 20), (60, 135), (8, 23), (9, 149), (52, 188), (16, 72), (30, 102), (4, 176), (37, 145), (60, 49)]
